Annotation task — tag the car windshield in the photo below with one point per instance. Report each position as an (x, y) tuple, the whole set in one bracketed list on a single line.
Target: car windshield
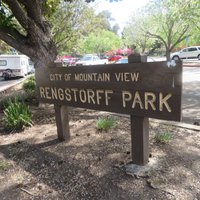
[(86, 58)]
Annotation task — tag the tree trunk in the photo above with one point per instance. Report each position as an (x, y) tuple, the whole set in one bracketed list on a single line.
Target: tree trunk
[(43, 58), (168, 54), (33, 38)]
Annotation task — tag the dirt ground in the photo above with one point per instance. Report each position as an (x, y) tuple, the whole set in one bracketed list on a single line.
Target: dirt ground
[(91, 166)]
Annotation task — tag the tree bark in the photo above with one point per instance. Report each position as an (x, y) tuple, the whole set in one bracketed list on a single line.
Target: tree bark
[(168, 54), (35, 40)]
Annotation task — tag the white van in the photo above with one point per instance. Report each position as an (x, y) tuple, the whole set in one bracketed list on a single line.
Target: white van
[(14, 66)]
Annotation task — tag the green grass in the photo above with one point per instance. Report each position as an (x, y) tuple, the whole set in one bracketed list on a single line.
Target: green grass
[(4, 165), (163, 138), (104, 124)]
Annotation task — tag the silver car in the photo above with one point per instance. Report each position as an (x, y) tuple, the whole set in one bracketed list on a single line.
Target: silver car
[(187, 53)]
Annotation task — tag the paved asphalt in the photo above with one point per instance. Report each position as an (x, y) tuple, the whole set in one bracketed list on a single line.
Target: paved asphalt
[(191, 95)]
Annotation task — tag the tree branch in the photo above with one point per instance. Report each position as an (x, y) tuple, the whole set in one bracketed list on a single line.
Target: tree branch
[(158, 37), (18, 12), (16, 40), (181, 38), (34, 12), (12, 32)]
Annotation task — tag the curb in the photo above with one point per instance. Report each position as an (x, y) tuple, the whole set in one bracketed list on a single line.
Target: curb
[(171, 123), (177, 124), (191, 64), (5, 89)]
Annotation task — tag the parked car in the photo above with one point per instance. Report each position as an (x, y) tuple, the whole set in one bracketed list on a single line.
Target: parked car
[(60, 59), (115, 58), (125, 60), (90, 59), (69, 61), (189, 52)]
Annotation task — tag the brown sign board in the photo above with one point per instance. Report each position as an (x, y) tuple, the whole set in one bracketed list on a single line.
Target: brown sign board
[(140, 89)]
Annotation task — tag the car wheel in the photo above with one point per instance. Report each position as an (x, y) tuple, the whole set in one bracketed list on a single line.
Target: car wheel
[(7, 74), (175, 58), (198, 57)]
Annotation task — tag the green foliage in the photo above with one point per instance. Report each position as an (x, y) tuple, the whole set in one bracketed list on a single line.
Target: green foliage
[(29, 86), (100, 42), (80, 20), (17, 116), (104, 124), (168, 21), (19, 97), (134, 33), (4, 48), (6, 17), (163, 138)]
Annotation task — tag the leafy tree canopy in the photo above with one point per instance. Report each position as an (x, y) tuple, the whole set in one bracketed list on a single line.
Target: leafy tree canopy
[(100, 42), (24, 25), (168, 21)]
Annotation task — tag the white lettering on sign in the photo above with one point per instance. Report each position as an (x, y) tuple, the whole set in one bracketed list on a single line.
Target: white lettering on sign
[(163, 101), (127, 76), (92, 77), (55, 77), (98, 77), (67, 77), (147, 101), (143, 101), (74, 94)]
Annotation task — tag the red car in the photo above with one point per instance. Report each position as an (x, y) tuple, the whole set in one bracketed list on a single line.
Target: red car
[(115, 58)]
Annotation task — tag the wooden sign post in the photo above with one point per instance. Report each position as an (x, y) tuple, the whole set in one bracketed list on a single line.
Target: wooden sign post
[(141, 89), (139, 128), (62, 122)]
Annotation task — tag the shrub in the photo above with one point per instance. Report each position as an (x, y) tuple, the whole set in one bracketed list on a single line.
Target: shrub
[(19, 97), (106, 124), (29, 86), (17, 116), (163, 138)]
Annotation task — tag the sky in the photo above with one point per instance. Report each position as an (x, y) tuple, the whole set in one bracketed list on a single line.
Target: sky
[(121, 10)]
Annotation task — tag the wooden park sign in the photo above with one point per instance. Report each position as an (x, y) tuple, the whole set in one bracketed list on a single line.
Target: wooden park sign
[(140, 89)]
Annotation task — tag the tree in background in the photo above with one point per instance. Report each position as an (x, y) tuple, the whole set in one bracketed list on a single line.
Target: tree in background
[(168, 21), (72, 21), (191, 11), (100, 42), (105, 17), (25, 25), (134, 34), (115, 28)]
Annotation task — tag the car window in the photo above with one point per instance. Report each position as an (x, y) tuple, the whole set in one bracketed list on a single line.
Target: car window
[(192, 49), (184, 50), (3, 62)]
